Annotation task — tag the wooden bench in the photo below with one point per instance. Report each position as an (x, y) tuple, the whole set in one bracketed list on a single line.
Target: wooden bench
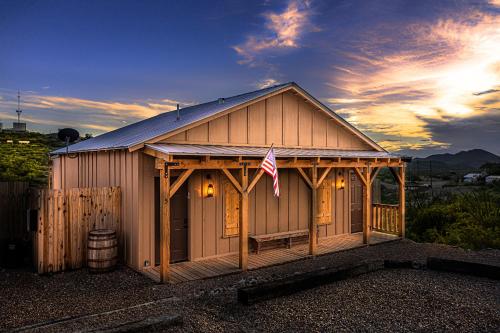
[(286, 236)]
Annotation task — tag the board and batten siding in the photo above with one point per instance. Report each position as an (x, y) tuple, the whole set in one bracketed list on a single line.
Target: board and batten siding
[(134, 172), (267, 214), (283, 120)]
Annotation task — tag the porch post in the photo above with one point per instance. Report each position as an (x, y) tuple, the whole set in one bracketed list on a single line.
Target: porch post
[(164, 223), (244, 219), (313, 241), (402, 201), (368, 206)]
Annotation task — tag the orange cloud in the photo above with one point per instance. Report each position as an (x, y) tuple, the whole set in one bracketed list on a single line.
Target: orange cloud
[(438, 73), (85, 114)]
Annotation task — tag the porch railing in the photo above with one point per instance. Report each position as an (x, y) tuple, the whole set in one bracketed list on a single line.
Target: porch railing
[(385, 218)]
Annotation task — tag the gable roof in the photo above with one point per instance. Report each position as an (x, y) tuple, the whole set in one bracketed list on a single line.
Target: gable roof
[(146, 130)]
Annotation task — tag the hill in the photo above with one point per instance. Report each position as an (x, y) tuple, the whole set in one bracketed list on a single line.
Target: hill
[(460, 163), (26, 161)]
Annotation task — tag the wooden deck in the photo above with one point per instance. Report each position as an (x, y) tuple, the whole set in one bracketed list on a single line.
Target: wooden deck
[(228, 264)]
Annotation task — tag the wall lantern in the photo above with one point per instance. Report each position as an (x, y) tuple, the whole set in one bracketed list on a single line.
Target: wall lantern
[(210, 187), (341, 182)]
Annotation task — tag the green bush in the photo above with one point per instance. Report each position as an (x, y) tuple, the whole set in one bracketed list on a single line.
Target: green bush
[(27, 162), (469, 220)]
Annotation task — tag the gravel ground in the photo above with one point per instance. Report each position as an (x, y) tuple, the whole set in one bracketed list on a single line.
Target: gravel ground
[(389, 300)]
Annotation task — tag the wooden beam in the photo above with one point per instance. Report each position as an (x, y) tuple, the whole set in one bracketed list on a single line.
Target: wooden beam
[(323, 176), (360, 175), (402, 203), (396, 175), (155, 153), (185, 163), (374, 174), (254, 180), (233, 180), (164, 224), (179, 181), (313, 240), (306, 178), (243, 245), (368, 206)]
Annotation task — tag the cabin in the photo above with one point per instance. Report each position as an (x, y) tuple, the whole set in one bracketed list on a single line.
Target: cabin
[(472, 178), (195, 202)]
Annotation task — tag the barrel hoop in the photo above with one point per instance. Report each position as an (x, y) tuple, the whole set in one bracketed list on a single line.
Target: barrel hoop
[(99, 238), (102, 260), (102, 248)]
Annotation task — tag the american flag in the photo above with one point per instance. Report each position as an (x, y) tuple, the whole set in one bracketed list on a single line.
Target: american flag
[(269, 167)]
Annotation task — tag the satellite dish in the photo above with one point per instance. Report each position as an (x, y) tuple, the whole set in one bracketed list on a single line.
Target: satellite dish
[(68, 135)]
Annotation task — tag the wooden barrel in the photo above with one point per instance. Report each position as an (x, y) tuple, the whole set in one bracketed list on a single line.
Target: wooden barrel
[(102, 250)]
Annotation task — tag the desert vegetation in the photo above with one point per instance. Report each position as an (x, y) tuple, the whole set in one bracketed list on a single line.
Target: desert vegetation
[(470, 219)]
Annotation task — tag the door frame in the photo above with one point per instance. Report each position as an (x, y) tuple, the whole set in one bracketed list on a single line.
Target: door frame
[(156, 226)]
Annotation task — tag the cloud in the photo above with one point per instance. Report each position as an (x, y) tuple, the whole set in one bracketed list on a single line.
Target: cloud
[(489, 91), (53, 112), (440, 73), (265, 83), (283, 31)]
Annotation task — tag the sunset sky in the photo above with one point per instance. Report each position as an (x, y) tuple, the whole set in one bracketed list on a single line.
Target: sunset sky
[(419, 77)]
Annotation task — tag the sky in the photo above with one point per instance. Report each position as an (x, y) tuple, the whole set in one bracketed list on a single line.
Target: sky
[(419, 77)]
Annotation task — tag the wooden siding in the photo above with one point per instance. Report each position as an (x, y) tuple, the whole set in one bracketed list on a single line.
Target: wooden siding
[(284, 119), (267, 213), (134, 173)]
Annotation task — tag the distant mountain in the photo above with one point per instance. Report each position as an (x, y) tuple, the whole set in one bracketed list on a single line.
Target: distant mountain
[(461, 162)]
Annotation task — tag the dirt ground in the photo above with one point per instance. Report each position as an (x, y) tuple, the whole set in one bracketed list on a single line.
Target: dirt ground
[(388, 300)]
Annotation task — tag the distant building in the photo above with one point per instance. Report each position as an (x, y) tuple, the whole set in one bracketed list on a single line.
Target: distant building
[(16, 127), (19, 127), (492, 179), (472, 178)]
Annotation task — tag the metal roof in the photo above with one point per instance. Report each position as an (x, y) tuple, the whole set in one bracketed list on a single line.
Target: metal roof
[(213, 150), (148, 129)]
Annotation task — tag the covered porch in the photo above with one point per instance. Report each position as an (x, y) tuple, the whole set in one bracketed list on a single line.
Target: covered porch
[(229, 264), (240, 166)]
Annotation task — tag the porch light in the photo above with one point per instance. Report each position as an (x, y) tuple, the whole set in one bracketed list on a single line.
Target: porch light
[(341, 182), (210, 187)]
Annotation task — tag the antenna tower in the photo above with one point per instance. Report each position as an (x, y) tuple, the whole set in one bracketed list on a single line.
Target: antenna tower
[(19, 111)]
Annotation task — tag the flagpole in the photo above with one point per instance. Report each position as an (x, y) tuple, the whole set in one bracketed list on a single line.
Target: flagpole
[(260, 166)]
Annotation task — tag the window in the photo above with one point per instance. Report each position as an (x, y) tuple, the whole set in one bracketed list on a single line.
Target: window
[(324, 203), (231, 209)]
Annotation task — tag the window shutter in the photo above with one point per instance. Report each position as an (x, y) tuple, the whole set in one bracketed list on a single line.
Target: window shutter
[(231, 209), (324, 203)]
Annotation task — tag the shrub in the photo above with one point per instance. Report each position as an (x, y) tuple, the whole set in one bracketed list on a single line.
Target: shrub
[(470, 220)]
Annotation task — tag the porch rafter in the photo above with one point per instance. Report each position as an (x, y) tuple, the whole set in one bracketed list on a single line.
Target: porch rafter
[(374, 173), (305, 177), (233, 180), (325, 173), (179, 181), (254, 181)]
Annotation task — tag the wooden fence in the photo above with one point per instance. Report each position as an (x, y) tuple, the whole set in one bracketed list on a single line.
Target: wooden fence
[(65, 218), (385, 218)]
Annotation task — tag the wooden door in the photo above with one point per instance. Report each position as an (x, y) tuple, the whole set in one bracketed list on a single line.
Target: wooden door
[(356, 203), (179, 225)]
